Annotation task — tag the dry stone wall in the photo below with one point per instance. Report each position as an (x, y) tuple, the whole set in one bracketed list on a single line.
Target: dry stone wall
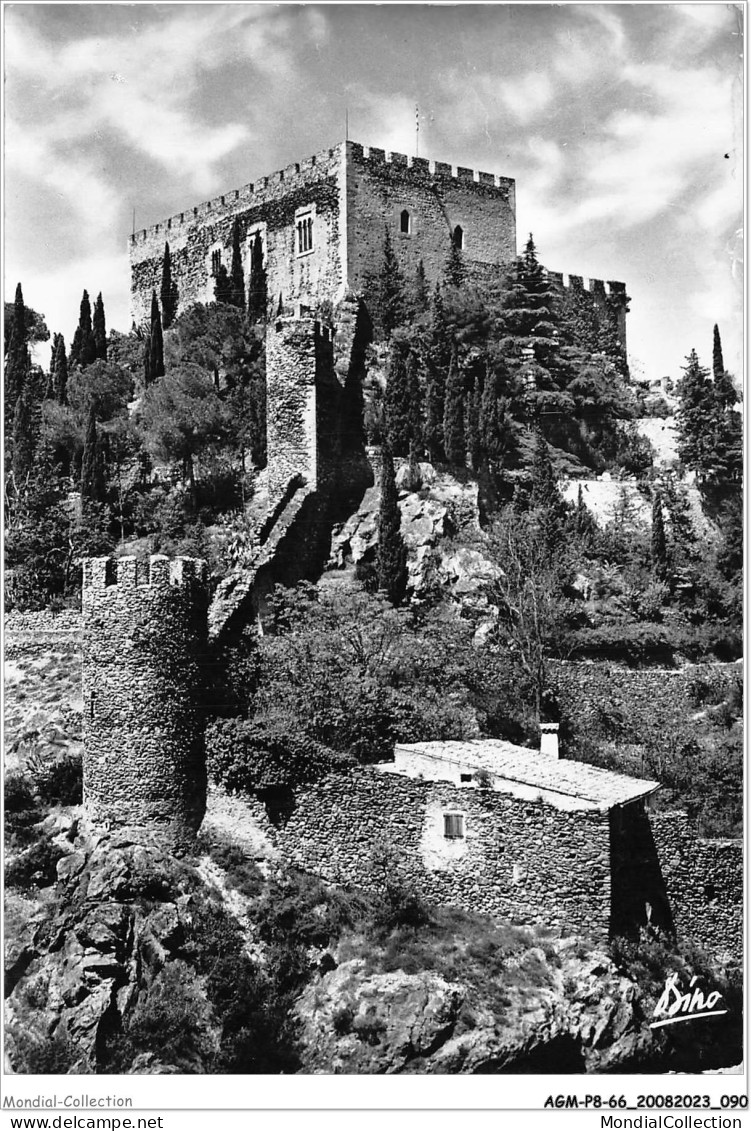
[(144, 702), (644, 699), (704, 884), (527, 862)]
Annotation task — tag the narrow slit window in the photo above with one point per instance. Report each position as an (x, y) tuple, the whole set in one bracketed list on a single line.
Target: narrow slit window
[(458, 237), (405, 224), (453, 826), (92, 703)]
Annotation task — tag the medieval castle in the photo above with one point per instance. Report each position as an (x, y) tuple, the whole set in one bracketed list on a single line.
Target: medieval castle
[(486, 825)]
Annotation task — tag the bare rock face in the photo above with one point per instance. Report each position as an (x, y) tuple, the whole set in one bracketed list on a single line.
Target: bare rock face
[(579, 1016), (442, 508), (120, 915)]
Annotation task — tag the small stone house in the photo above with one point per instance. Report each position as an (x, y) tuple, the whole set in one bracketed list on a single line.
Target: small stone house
[(522, 835)]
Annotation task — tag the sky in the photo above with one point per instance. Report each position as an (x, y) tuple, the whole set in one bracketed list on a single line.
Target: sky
[(622, 125)]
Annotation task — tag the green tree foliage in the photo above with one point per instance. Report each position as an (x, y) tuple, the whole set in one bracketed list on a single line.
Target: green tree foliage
[(83, 348), (455, 271), (236, 275), (420, 291), (454, 441), (257, 285), (99, 329), (168, 292), (392, 552), (725, 390), (34, 323), (709, 431)]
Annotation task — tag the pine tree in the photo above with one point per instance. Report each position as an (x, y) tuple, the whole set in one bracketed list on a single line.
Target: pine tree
[(83, 348), (17, 361), (237, 277), (257, 285), (453, 417), (100, 329), (659, 548), (392, 289), (168, 292), (696, 418), (498, 430), (156, 341), (397, 403), (60, 371), (392, 552), (24, 441), (92, 464)]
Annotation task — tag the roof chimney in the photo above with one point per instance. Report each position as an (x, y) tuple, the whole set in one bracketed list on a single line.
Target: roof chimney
[(549, 740)]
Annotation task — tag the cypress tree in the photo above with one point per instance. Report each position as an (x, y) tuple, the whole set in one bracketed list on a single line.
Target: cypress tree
[(544, 491), (725, 391), (453, 417), (434, 417), (60, 371), (392, 288), (17, 361), (148, 376), (392, 553), (696, 417), (83, 349), (236, 278), (92, 467), (659, 549), (414, 417), (397, 403), (455, 271), (168, 291), (257, 284), (100, 330), (222, 286), (156, 342), (23, 440), (421, 295)]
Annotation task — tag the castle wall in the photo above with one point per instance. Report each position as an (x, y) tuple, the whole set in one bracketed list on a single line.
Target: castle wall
[(380, 186), (524, 861), (144, 650), (272, 205)]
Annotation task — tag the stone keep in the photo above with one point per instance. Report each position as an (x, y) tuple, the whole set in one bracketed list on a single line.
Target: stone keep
[(144, 701)]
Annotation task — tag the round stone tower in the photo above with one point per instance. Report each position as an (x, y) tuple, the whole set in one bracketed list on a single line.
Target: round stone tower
[(144, 705)]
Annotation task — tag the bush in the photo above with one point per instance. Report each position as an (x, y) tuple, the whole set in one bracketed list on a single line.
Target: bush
[(61, 782), (173, 1019), (247, 756)]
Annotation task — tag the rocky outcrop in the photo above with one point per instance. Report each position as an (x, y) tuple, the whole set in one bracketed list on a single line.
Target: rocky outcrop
[(442, 509)]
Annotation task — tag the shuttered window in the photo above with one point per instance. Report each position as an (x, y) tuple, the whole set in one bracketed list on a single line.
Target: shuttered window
[(453, 826)]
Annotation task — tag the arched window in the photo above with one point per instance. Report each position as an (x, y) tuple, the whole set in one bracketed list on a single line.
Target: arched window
[(458, 237), (305, 234), (216, 261), (405, 225)]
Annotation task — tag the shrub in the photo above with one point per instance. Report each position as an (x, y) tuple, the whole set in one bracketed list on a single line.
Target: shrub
[(247, 755), (61, 782), (173, 1019), (34, 867)]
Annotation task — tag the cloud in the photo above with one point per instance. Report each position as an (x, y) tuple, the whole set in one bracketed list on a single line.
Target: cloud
[(528, 95)]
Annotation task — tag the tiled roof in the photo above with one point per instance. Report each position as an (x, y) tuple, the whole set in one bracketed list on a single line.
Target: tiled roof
[(519, 766)]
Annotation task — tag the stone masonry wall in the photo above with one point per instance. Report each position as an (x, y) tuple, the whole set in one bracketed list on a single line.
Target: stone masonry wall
[(646, 698), (704, 884), (144, 655), (291, 413), (525, 861), (380, 186), (268, 205)]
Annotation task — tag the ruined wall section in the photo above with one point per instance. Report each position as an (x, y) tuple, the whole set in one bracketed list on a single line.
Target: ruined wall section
[(144, 702), (524, 861), (704, 884), (270, 205), (438, 197)]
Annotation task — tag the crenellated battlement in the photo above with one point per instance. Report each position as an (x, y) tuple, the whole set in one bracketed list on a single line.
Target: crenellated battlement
[(130, 573), (594, 286), (300, 171)]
